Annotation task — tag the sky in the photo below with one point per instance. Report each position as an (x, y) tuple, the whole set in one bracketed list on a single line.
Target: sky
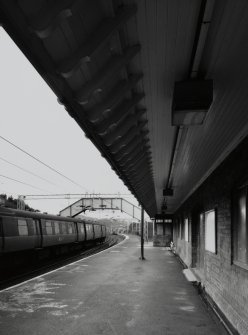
[(32, 119)]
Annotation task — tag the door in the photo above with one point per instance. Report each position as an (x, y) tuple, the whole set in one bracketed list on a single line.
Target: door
[(38, 238)]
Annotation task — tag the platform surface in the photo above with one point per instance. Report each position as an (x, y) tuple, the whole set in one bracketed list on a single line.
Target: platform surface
[(110, 293)]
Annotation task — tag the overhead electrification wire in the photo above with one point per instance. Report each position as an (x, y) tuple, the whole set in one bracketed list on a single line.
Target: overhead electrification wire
[(38, 160), (95, 195), (25, 170), (21, 182)]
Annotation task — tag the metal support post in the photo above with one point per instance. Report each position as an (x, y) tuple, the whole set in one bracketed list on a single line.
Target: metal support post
[(142, 234)]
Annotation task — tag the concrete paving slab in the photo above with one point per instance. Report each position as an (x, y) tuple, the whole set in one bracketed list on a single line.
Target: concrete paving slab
[(116, 293)]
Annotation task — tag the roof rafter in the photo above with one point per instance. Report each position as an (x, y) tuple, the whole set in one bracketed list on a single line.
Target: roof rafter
[(95, 41)]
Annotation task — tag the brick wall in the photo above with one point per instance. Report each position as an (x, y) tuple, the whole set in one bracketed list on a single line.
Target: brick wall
[(226, 283)]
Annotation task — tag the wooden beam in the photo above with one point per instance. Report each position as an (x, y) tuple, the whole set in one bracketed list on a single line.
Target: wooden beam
[(135, 166), (95, 41), (125, 160), (101, 111), (126, 139), (135, 161), (140, 165), (119, 113), (131, 145), (125, 125), (142, 182), (46, 20), (132, 157), (123, 128), (136, 178), (114, 65)]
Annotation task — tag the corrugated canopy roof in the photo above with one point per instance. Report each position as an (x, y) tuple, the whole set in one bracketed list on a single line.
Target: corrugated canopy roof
[(113, 65)]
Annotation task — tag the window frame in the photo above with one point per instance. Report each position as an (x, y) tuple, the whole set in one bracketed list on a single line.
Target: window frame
[(70, 228), (56, 225), (20, 225), (234, 233), (63, 228), (82, 228), (214, 210), (48, 224), (186, 231)]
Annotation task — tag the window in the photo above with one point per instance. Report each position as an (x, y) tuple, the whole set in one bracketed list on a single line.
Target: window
[(210, 231), (22, 227), (36, 227), (31, 227), (186, 229), (1, 229), (82, 228), (88, 228), (63, 228), (49, 228), (56, 228), (240, 227), (70, 229)]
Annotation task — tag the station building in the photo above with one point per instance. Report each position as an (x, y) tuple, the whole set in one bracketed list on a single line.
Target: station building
[(160, 88)]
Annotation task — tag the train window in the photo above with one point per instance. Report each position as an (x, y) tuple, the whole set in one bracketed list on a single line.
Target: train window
[(63, 228), (56, 227), (22, 227), (70, 229), (36, 227), (88, 228), (82, 228), (210, 231), (31, 227), (49, 228)]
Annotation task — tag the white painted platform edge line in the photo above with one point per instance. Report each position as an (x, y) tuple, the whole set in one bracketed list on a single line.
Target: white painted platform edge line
[(62, 267)]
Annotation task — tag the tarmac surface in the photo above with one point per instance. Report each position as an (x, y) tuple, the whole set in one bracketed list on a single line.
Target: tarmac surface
[(110, 293)]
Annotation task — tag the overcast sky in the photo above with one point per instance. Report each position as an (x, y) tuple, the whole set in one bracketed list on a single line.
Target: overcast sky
[(32, 119)]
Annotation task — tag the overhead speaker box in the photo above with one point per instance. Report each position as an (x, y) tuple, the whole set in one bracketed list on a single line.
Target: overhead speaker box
[(191, 101)]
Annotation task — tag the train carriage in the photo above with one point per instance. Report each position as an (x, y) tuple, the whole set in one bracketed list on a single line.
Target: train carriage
[(23, 230), (19, 233), (81, 231), (89, 232), (58, 232), (97, 232)]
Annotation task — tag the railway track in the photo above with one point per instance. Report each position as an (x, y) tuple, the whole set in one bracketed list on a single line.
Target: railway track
[(50, 265)]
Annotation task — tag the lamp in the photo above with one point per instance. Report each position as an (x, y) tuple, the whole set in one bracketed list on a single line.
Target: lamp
[(191, 101), (168, 192)]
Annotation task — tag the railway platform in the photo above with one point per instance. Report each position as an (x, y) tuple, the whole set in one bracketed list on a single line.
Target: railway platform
[(110, 293)]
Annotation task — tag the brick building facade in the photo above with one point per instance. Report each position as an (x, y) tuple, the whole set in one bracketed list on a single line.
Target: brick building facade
[(207, 220)]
